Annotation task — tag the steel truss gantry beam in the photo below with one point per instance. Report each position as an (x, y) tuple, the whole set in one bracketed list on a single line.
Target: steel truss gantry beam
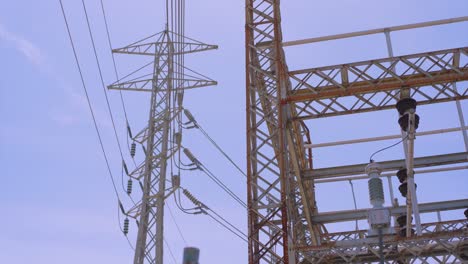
[(370, 85), (280, 189), (391, 165), (351, 215), (441, 242)]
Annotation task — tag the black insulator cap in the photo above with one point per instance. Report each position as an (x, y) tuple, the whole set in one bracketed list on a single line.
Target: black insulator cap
[(404, 188), (403, 122), (405, 104), (402, 232), (402, 175), (401, 220)]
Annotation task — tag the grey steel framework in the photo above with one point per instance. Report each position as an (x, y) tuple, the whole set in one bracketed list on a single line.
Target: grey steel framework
[(284, 225), (161, 139)]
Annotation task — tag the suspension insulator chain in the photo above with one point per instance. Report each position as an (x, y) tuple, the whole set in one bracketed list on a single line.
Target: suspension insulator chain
[(126, 225), (133, 149), (129, 186)]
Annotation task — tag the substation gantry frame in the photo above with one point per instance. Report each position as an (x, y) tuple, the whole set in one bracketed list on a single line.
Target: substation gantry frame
[(284, 224)]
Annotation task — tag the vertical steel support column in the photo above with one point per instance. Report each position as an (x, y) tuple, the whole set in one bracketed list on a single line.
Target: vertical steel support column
[(461, 118), (412, 197), (408, 146), (282, 76), (266, 135), (162, 178), (388, 40), (156, 155)]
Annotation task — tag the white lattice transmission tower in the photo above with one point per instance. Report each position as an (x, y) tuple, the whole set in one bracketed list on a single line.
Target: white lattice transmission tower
[(165, 80)]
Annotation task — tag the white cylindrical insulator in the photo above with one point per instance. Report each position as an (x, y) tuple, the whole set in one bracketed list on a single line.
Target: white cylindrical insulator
[(376, 193)]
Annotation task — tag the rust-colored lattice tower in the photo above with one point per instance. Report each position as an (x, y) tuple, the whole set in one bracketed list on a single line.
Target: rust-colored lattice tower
[(285, 225)]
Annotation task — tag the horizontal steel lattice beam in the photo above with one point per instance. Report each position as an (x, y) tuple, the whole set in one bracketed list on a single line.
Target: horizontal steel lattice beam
[(447, 246), (375, 31), (370, 85), (392, 165), (351, 215)]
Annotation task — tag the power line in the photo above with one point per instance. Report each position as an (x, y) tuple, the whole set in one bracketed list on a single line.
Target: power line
[(229, 223), (89, 102), (113, 59), (222, 185), (128, 240), (225, 226), (170, 251), (380, 150), (101, 77), (197, 125), (177, 225), (202, 208), (220, 150), (354, 200)]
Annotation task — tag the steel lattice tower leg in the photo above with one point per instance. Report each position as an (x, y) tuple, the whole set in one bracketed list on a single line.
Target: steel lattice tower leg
[(156, 161)]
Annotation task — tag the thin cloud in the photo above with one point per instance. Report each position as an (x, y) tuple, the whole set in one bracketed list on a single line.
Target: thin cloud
[(32, 53), (37, 58)]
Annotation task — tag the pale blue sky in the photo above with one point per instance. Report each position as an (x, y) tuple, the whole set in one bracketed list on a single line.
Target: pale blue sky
[(57, 202)]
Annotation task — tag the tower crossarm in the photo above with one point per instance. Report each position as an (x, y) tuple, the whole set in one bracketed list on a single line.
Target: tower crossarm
[(146, 84), (370, 85), (148, 46)]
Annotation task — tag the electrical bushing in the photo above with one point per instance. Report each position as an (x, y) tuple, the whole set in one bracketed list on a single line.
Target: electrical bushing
[(376, 193), (403, 121), (405, 104), (404, 188), (401, 220)]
